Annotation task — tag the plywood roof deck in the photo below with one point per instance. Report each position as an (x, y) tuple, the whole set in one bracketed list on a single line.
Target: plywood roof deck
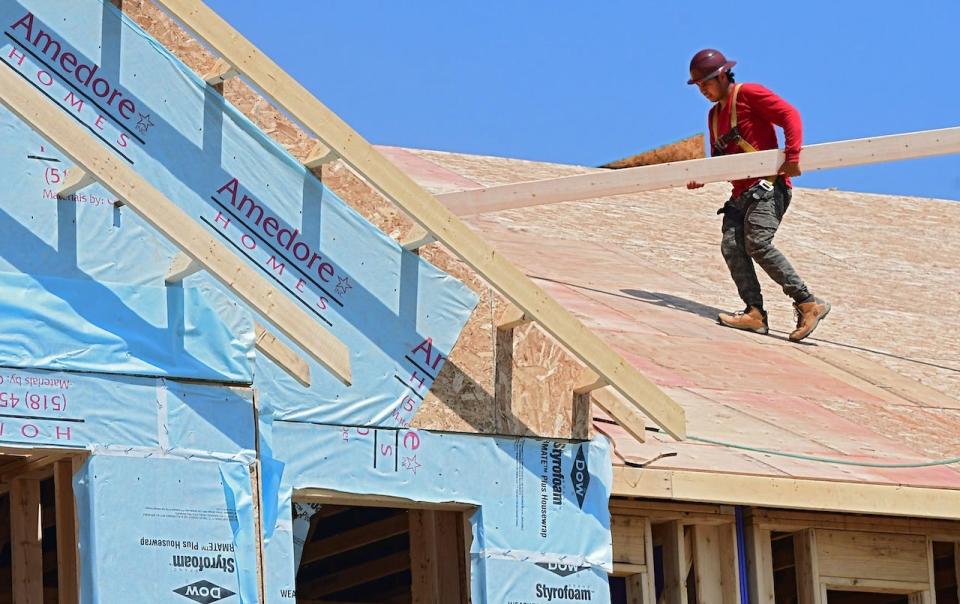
[(878, 382)]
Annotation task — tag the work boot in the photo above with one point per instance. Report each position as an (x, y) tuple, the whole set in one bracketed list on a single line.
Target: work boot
[(809, 315), (749, 319)]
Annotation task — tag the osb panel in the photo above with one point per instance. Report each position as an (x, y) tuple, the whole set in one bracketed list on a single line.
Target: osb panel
[(544, 375), (688, 148)]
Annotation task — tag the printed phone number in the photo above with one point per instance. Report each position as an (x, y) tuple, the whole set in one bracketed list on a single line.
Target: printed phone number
[(33, 401)]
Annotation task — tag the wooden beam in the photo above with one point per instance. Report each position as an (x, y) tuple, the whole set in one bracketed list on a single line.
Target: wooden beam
[(25, 541), (76, 179), (351, 539), (416, 238), (358, 574), (288, 317), (588, 381), (807, 567), (319, 156), (181, 267), (715, 169), (708, 568), (68, 578), (429, 213), (627, 415), (511, 317), (435, 574), (38, 461), (770, 491), (219, 73), (326, 496), (675, 562), (759, 565), (281, 354)]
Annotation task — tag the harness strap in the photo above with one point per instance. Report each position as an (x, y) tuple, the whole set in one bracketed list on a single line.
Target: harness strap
[(734, 132)]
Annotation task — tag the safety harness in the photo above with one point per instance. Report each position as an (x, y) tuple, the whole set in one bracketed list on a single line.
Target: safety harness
[(733, 135)]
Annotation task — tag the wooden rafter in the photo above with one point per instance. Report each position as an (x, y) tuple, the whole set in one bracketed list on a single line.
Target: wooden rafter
[(161, 213), (426, 211), (354, 538), (730, 167)]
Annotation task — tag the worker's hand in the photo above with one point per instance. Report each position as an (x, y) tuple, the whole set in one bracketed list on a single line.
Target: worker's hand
[(790, 168), (694, 184)]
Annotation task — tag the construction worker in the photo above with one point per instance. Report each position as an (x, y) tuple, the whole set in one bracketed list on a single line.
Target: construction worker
[(741, 121)]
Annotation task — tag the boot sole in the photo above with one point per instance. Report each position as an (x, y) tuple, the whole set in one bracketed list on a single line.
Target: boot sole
[(816, 324), (760, 330)]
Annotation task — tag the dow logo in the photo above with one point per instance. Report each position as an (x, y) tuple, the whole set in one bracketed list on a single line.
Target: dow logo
[(204, 592), (580, 476), (563, 570)]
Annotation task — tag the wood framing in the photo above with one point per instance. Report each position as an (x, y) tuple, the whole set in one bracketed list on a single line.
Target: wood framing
[(76, 179), (181, 267), (730, 167), (151, 205), (68, 577), (25, 541), (281, 354), (735, 489), (426, 211), (437, 576)]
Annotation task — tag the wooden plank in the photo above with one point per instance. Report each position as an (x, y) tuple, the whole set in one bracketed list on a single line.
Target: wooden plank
[(326, 496), (429, 213), (351, 539), (285, 357), (956, 567), (639, 590), (320, 155), (68, 578), (25, 541), (627, 415), (729, 563), (873, 585), (794, 520), (887, 556), (76, 179), (364, 572), (219, 73), (289, 318), (770, 491), (675, 561), (707, 564), (37, 462), (807, 568), (759, 565), (629, 539), (588, 381), (511, 317), (181, 267), (416, 238), (715, 169)]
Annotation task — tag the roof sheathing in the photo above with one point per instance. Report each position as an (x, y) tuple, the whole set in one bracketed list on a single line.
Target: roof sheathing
[(879, 381)]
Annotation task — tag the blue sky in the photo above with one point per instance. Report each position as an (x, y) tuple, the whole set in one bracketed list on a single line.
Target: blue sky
[(590, 82)]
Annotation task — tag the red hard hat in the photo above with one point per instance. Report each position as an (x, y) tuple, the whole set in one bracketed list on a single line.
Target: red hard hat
[(706, 64)]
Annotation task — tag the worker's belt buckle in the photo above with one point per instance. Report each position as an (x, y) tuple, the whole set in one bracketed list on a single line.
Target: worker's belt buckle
[(766, 185)]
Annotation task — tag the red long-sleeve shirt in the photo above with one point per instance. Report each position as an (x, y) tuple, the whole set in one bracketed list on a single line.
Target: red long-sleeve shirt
[(758, 110)]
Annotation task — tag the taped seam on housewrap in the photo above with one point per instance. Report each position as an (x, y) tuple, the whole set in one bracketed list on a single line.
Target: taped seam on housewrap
[(529, 556), (244, 457), (163, 431)]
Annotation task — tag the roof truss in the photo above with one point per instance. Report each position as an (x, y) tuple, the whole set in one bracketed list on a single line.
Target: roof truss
[(428, 213)]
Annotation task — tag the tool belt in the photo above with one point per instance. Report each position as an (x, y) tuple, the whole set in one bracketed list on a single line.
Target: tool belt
[(737, 207)]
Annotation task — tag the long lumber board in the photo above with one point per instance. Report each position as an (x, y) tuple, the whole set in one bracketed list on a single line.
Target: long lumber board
[(150, 204), (427, 212), (714, 169)]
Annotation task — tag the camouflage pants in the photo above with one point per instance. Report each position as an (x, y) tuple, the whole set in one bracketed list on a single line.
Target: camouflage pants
[(749, 223)]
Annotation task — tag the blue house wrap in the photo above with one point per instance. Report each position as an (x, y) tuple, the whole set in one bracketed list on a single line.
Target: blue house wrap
[(156, 382)]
